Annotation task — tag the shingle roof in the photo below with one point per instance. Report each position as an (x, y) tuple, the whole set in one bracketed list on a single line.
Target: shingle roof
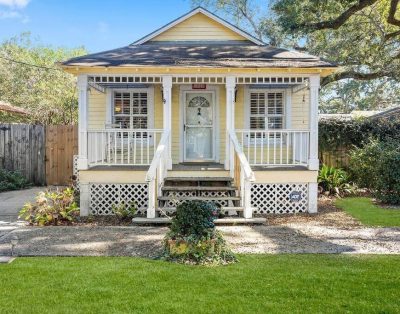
[(200, 54)]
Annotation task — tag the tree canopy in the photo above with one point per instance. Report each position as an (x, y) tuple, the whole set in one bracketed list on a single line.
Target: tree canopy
[(361, 36), (30, 78)]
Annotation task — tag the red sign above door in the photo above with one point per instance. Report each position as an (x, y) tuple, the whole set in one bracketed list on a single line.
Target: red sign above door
[(199, 86)]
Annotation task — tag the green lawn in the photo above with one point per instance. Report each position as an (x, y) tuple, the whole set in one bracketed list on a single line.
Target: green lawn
[(258, 284), (368, 213)]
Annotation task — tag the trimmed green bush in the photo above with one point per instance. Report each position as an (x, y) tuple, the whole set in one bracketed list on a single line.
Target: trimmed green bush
[(193, 237), (377, 166), (12, 180)]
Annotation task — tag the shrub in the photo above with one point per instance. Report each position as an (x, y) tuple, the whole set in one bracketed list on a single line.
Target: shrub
[(335, 181), (51, 207), (125, 211), (377, 166), (193, 237), (12, 180)]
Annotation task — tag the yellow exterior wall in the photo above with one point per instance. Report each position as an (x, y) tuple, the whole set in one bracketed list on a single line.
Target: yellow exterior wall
[(96, 110), (289, 176), (300, 110), (112, 176), (198, 27)]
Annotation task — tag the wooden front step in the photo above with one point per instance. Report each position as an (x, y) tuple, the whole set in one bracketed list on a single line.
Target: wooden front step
[(200, 198)]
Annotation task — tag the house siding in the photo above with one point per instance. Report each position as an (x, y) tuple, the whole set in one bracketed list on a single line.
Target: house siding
[(198, 27)]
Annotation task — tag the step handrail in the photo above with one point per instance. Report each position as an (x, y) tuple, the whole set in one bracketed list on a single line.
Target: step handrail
[(245, 165), (161, 149)]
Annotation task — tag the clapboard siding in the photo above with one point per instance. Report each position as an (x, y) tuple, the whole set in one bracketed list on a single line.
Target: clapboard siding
[(198, 27)]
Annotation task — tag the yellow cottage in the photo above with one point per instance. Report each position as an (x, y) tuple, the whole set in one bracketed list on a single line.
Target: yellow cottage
[(198, 110)]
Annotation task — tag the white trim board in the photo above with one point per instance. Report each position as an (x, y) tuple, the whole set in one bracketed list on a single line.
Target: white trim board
[(190, 14)]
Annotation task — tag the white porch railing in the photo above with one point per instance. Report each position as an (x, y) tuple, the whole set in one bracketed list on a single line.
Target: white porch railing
[(157, 172), (275, 147), (242, 174), (129, 147)]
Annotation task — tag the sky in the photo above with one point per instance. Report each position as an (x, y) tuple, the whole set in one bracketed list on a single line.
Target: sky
[(96, 25)]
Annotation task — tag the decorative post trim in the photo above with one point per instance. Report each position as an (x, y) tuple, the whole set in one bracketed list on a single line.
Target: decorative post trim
[(167, 113), (82, 84), (230, 123), (313, 162)]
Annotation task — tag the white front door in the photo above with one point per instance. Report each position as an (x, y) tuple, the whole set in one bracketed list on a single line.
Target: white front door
[(199, 126)]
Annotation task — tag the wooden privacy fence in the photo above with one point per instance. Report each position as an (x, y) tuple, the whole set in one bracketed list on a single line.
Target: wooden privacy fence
[(43, 154), (338, 158)]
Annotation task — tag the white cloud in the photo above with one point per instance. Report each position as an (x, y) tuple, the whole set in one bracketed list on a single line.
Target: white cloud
[(12, 14), (15, 3)]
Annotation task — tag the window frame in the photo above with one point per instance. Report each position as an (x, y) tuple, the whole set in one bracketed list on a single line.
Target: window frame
[(248, 115), (150, 105)]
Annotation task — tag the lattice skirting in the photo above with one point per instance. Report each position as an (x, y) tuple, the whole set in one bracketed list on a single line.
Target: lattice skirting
[(75, 172), (104, 196), (279, 198)]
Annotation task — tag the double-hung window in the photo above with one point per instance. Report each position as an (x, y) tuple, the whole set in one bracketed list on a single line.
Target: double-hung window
[(266, 112), (130, 110)]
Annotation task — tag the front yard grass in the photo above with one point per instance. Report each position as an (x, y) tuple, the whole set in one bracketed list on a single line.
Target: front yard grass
[(364, 210), (257, 284)]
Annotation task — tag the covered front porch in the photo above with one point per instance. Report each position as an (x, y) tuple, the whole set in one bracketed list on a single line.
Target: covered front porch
[(239, 123)]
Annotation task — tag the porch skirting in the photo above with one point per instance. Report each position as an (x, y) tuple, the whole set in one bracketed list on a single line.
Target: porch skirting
[(266, 198), (279, 198)]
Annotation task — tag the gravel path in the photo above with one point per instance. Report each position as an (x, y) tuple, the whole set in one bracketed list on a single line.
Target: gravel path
[(146, 241)]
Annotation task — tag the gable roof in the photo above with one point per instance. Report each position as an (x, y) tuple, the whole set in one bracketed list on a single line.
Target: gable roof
[(207, 13), (247, 53)]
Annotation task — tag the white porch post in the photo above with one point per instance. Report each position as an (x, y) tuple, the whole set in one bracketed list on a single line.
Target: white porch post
[(230, 121), (167, 112), (83, 117), (313, 162)]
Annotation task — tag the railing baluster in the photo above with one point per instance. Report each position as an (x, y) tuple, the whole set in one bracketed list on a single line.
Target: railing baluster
[(274, 148), (115, 147), (255, 147), (134, 147), (287, 147), (108, 147), (129, 147), (281, 139), (148, 148), (96, 147), (268, 152), (294, 147), (141, 148), (301, 148), (262, 149)]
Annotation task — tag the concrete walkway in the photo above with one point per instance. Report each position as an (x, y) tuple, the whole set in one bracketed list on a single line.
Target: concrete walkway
[(12, 201)]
